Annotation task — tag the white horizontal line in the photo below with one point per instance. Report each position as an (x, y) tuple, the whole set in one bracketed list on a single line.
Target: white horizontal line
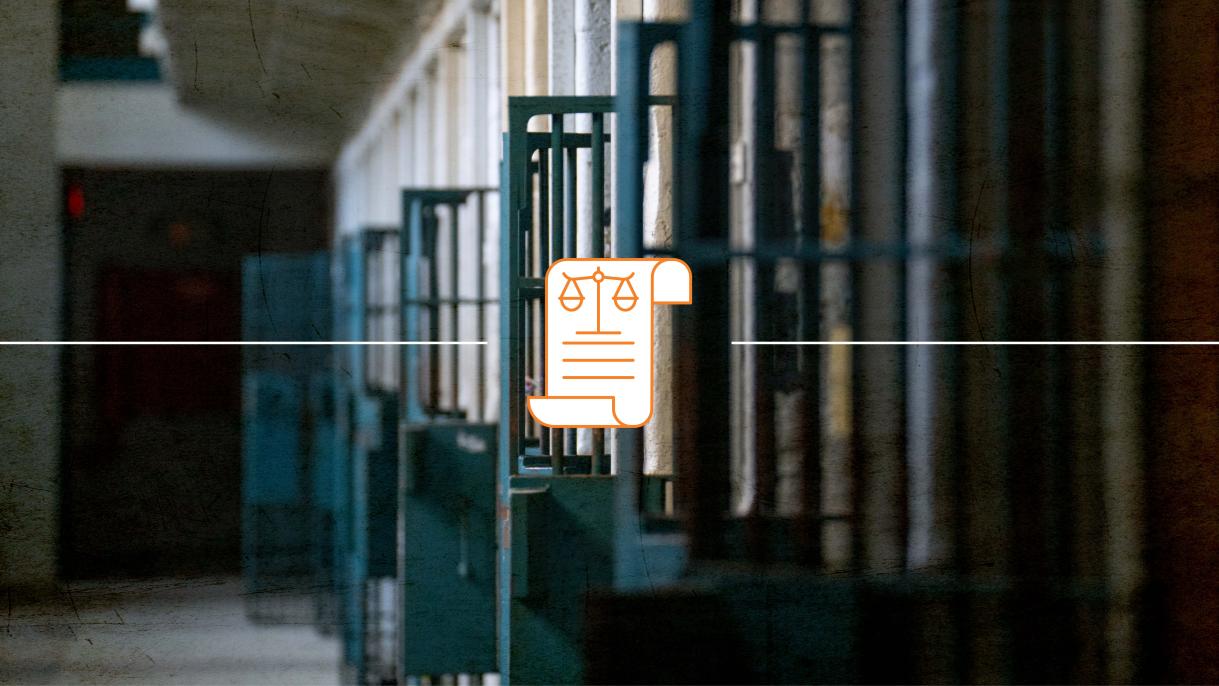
[(981, 343), (250, 343), (769, 343)]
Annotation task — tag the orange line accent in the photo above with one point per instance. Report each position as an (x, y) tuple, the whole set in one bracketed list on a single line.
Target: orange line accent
[(598, 342), (593, 333), (598, 377), (590, 359)]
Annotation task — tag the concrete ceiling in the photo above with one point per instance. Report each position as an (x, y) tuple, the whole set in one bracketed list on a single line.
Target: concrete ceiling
[(305, 67)]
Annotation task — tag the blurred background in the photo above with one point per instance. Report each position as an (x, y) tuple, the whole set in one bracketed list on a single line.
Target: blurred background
[(981, 172)]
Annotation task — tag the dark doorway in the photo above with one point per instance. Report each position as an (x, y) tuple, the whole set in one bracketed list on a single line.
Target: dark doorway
[(152, 449)]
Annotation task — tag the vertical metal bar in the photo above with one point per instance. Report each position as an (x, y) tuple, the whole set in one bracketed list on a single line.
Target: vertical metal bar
[(958, 273), (363, 331), (481, 331), (528, 240), (410, 312), (366, 320), (1026, 197), (537, 327), (431, 231), (528, 249), (514, 189), (544, 211), (379, 309), (359, 540), (570, 202), (597, 247), (372, 313), (557, 178), (528, 230), (810, 532), (404, 308), (999, 36), (1058, 317), (372, 316), (557, 234), (359, 476), (703, 329), (1060, 414), (569, 249), (597, 184), (859, 470), (393, 262), (764, 227), (454, 306), (598, 465), (864, 365)]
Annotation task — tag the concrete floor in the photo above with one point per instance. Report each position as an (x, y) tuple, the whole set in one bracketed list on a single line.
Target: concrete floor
[(171, 631)]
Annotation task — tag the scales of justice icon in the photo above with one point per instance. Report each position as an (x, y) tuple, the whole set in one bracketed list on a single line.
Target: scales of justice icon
[(599, 353), (572, 298)]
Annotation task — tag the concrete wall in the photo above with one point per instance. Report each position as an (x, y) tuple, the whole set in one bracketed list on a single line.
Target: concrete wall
[(143, 124), (29, 294)]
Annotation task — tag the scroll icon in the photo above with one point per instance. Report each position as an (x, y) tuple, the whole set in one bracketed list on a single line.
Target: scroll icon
[(599, 339)]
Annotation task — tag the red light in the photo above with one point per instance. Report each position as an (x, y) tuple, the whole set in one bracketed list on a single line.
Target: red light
[(76, 201)]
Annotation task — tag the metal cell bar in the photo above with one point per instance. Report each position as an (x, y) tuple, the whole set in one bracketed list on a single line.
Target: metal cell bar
[(764, 227), (521, 269), (810, 529), (542, 231), (953, 384), (431, 229), (367, 323), (557, 179), (481, 330), (513, 205), (557, 234), (1001, 34), (597, 248), (570, 204), (1059, 414), (412, 407), (454, 311), (880, 385), (1025, 197), (1058, 319), (537, 327), (569, 249), (703, 356)]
